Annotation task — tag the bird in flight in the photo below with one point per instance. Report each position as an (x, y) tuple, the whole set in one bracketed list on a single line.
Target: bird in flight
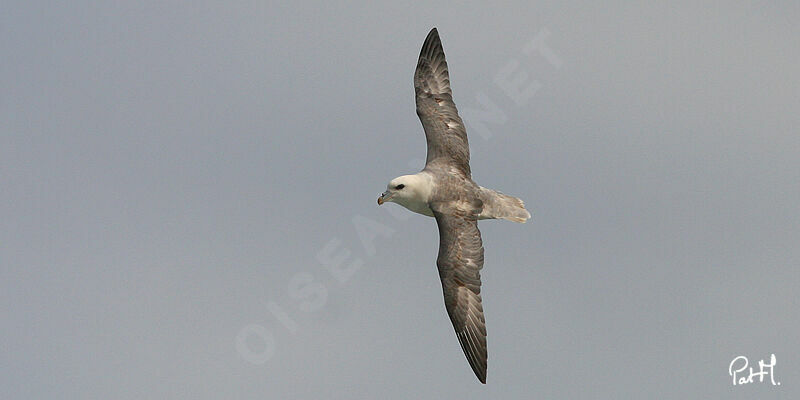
[(444, 189)]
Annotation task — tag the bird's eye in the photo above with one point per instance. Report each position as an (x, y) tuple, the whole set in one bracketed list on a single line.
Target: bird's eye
[(400, 186)]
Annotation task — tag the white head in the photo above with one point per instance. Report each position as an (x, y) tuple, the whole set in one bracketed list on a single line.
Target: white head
[(408, 190)]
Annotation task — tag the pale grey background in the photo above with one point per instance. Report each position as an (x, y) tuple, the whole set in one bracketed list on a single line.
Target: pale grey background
[(167, 169)]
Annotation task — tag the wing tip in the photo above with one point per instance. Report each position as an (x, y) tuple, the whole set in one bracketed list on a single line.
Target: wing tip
[(476, 361), (481, 375), (432, 41)]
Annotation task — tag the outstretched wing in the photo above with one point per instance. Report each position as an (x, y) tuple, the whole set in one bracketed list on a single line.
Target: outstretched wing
[(460, 261), (444, 129)]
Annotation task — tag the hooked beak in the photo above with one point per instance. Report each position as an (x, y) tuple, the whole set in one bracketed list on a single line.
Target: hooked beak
[(383, 198)]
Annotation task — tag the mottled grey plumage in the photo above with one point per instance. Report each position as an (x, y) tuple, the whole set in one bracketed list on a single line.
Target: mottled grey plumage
[(444, 129), (444, 190)]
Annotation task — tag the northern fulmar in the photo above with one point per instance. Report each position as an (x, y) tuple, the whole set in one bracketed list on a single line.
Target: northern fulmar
[(444, 189)]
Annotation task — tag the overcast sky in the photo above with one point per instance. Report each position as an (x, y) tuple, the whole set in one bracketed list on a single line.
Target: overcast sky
[(188, 199)]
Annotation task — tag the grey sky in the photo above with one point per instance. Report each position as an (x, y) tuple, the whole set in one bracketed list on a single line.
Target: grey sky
[(171, 173)]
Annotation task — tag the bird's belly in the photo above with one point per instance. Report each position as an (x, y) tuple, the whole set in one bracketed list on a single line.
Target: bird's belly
[(419, 208)]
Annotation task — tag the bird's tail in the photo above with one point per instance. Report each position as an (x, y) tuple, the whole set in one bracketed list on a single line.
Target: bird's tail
[(498, 205)]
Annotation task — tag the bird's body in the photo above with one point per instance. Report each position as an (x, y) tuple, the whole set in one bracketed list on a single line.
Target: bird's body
[(425, 186), (444, 189)]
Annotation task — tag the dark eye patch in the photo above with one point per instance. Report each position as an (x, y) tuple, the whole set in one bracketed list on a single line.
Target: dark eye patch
[(400, 186)]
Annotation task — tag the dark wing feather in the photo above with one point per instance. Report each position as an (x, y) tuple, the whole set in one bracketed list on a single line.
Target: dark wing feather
[(444, 129), (460, 261)]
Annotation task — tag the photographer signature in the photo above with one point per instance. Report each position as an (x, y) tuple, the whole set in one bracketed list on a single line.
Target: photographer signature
[(740, 363)]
